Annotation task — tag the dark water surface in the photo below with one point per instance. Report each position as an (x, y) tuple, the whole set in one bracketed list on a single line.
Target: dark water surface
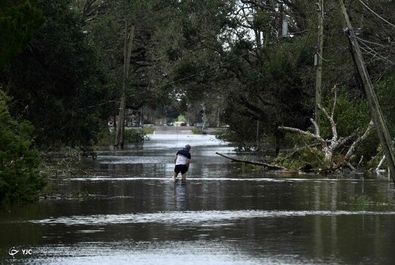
[(130, 212)]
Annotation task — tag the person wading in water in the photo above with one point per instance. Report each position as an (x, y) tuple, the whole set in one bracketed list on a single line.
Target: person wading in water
[(182, 161)]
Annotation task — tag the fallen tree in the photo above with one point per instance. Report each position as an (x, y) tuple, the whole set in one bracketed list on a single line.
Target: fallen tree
[(258, 163), (331, 147)]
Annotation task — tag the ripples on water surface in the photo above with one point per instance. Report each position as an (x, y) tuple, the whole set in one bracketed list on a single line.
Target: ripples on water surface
[(130, 212)]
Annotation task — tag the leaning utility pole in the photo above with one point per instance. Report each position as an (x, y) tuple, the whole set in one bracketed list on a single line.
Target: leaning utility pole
[(318, 59), (377, 115), (127, 53)]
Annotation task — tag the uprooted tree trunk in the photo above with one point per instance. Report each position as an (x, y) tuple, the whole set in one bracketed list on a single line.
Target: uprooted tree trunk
[(329, 146)]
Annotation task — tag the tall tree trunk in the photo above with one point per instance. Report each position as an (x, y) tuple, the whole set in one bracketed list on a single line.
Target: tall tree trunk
[(127, 52)]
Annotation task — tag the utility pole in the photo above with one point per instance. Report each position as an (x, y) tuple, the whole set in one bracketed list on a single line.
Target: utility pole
[(377, 115), (127, 53), (318, 59)]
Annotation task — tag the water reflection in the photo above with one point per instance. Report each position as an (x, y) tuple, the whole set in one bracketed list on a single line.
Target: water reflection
[(181, 194)]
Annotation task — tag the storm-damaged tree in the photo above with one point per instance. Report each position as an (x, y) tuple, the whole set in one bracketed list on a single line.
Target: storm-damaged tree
[(335, 151)]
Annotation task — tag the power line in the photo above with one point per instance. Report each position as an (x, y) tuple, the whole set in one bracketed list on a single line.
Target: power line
[(374, 53), (371, 10), (372, 42)]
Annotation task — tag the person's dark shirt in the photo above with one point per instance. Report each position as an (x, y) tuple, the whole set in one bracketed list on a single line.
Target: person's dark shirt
[(184, 152)]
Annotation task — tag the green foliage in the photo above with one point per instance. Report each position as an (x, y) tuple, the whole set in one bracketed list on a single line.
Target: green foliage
[(134, 136), (263, 20), (351, 115), (105, 138), (148, 130), (155, 47), (312, 156), (67, 81), (20, 177), (352, 118), (200, 131), (181, 118), (61, 89), (17, 23), (386, 94), (237, 136), (273, 89)]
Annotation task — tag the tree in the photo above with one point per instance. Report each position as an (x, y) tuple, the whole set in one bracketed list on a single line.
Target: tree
[(60, 90), (20, 176), (17, 23), (271, 69), (337, 147), (106, 33)]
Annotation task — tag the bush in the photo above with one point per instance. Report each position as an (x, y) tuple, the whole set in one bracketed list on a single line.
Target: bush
[(20, 163), (148, 130), (134, 136)]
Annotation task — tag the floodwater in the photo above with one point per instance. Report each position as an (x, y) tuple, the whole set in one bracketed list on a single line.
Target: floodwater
[(128, 211)]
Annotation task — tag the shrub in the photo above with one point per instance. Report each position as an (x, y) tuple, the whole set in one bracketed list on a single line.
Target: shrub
[(134, 136), (148, 130), (20, 163)]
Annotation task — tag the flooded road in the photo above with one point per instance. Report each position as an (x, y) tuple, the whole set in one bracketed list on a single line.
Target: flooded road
[(129, 211)]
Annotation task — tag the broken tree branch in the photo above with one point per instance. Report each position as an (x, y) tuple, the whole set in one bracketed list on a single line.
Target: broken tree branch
[(351, 150), (269, 166), (333, 124), (335, 142), (378, 168), (306, 133), (316, 128)]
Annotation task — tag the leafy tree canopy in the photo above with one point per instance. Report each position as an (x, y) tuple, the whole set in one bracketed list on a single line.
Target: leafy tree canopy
[(56, 82), (17, 24)]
